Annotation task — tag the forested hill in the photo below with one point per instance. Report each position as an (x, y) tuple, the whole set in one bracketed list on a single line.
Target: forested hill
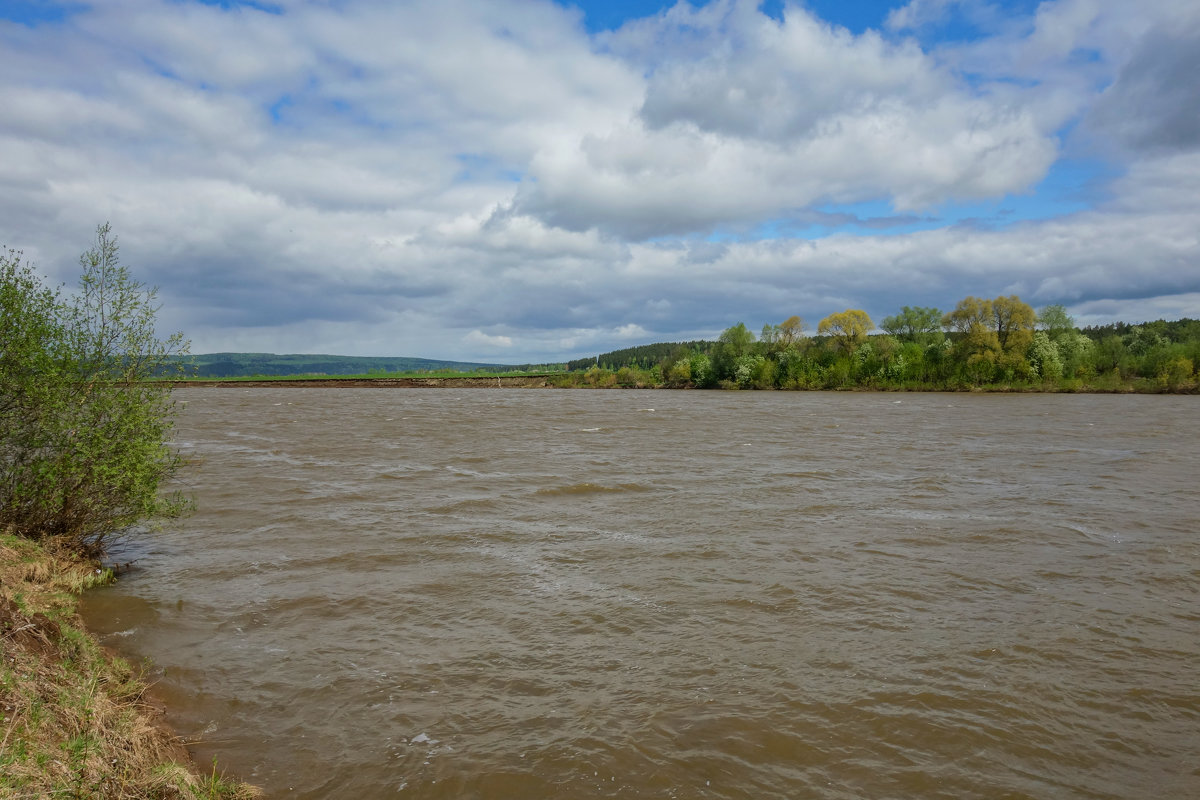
[(1181, 330), (232, 365), (645, 355)]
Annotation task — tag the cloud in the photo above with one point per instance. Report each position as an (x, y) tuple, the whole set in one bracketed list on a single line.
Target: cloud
[(463, 178), (1153, 103), (1102, 312), (746, 118), (477, 338), (631, 331), (919, 13)]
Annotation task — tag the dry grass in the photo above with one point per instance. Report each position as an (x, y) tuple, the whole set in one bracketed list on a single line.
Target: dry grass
[(73, 721)]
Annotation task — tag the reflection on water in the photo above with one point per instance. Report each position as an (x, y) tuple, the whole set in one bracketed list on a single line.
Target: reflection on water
[(524, 594)]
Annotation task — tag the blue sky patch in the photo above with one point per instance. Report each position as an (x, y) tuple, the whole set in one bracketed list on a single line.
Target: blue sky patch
[(38, 12)]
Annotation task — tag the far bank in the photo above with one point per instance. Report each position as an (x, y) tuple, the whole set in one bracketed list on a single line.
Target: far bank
[(591, 380)]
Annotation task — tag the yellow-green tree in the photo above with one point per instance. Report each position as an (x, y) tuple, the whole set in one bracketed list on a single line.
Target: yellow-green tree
[(1015, 322), (993, 333), (791, 331), (785, 335), (847, 329), (977, 344), (971, 314)]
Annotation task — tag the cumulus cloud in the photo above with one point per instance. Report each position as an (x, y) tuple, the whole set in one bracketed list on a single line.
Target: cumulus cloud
[(631, 331), (464, 178), (486, 341), (746, 118), (920, 13), (1153, 103)]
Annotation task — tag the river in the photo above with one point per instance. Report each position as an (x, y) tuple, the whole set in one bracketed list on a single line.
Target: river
[(507, 593)]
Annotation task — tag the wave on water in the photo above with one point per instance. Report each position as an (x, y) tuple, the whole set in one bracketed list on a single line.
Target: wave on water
[(473, 505), (592, 488), (996, 600)]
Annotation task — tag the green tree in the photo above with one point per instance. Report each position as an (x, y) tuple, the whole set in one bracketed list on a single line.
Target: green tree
[(1045, 358), (1141, 339), (795, 371), (701, 370), (30, 336), (85, 444), (1055, 320), (753, 370), (1174, 373), (1110, 354), (914, 324), (679, 373), (770, 340), (734, 343), (599, 377), (787, 334), (847, 329), (1074, 349)]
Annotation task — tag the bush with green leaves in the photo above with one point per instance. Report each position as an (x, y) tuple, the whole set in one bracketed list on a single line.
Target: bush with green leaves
[(85, 431), (1044, 357), (702, 372), (1175, 373)]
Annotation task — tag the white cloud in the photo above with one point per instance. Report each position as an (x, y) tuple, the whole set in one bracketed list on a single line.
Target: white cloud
[(364, 177), (919, 13), (768, 117), (478, 338), (631, 331)]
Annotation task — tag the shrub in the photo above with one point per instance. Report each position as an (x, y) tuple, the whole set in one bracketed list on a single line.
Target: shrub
[(84, 430), (703, 374), (1175, 373), (626, 377), (680, 373), (600, 378), (1044, 358)]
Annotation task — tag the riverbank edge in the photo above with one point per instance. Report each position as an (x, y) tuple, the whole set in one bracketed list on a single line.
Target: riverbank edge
[(549, 382), (74, 718)]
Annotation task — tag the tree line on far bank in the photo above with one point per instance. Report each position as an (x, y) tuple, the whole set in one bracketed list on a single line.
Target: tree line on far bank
[(1001, 343)]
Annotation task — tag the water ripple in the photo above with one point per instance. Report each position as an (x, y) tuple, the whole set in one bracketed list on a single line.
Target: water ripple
[(738, 595)]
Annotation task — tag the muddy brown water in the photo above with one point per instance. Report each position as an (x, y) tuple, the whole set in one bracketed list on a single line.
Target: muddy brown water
[(578, 594)]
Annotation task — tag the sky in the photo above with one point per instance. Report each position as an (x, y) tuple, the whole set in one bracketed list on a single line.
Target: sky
[(524, 181)]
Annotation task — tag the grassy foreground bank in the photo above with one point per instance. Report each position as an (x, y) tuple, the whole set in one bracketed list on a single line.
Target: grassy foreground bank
[(74, 721)]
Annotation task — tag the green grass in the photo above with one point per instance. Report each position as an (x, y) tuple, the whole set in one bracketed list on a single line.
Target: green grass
[(73, 722)]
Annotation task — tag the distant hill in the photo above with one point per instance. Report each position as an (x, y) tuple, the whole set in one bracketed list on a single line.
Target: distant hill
[(232, 365), (645, 355)]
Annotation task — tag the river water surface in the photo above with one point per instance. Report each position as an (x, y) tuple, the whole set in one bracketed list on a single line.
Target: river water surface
[(579, 594)]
